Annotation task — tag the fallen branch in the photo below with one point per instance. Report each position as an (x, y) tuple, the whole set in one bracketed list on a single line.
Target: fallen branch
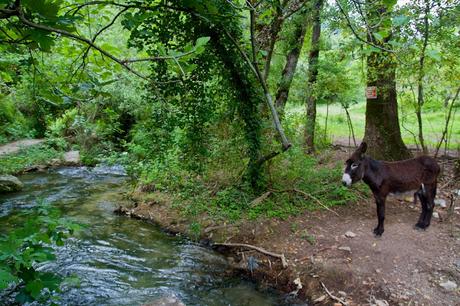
[(333, 296), (260, 199), (307, 195), (263, 251)]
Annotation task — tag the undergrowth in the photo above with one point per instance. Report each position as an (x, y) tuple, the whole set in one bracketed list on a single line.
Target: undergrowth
[(296, 183), (27, 157)]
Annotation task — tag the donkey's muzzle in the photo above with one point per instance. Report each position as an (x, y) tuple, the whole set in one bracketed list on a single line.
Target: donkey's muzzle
[(346, 180)]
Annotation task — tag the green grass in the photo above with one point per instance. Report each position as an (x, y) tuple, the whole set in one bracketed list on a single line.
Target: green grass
[(35, 155), (337, 128)]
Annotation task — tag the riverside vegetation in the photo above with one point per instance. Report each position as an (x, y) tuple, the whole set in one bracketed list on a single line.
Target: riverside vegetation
[(204, 102)]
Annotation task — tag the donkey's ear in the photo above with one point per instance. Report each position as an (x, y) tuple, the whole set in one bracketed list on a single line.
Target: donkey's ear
[(362, 147)]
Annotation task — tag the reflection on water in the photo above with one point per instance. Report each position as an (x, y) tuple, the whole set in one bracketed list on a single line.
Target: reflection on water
[(121, 261)]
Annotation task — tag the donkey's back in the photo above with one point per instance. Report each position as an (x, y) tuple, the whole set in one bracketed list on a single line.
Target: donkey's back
[(410, 174)]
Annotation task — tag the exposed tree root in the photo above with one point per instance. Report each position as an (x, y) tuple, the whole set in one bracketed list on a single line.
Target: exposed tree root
[(263, 251), (333, 296)]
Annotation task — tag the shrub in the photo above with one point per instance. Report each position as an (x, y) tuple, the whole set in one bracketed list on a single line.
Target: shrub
[(25, 248)]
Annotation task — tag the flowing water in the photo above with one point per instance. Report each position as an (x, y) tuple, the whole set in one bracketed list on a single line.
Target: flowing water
[(122, 261)]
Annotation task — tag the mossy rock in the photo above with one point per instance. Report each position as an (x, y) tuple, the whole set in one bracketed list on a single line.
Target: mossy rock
[(9, 183)]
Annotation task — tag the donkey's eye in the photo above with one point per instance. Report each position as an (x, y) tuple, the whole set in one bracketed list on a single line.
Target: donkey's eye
[(354, 166)]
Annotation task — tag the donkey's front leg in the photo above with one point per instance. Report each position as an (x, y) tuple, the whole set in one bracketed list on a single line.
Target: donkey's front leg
[(380, 201)]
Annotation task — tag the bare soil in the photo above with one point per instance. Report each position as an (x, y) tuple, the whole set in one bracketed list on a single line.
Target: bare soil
[(403, 267)]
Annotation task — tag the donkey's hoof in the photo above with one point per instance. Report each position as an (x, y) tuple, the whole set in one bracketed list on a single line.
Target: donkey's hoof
[(378, 232), (420, 226)]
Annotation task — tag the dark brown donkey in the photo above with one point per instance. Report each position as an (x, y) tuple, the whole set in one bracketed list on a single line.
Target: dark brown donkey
[(418, 175)]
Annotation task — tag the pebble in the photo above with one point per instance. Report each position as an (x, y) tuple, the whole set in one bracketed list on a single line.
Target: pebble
[(440, 202), (342, 293), (449, 285), (381, 303), (345, 248), (436, 215), (350, 234)]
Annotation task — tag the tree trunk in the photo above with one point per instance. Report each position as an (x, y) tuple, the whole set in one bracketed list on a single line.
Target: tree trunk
[(420, 98), (382, 132), (290, 67), (274, 31), (312, 77)]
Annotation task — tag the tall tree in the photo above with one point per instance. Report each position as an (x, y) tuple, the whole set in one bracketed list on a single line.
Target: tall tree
[(294, 43), (382, 131), (313, 58), (425, 31)]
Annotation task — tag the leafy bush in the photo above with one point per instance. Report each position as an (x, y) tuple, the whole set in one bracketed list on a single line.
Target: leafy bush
[(13, 125), (25, 248)]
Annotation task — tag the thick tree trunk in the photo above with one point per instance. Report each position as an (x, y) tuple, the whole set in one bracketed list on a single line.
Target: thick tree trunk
[(313, 58), (382, 133), (290, 67)]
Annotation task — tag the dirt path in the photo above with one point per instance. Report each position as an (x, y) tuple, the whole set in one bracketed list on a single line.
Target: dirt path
[(403, 267), (14, 147)]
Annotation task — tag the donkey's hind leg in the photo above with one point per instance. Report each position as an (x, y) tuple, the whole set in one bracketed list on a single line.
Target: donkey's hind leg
[(430, 196), (423, 200)]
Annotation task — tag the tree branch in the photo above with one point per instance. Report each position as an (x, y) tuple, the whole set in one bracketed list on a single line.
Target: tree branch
[(444, 133), (356, 34), (285, 142), (31, 24)]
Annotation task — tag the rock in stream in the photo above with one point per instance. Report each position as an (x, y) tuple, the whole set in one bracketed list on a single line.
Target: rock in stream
[(9, 183)]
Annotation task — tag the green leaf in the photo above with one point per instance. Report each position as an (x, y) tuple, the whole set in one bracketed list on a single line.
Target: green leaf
[(6, 278), (202, 41), (43, 39), (45, 8), (50, 280), (35, 288), (434, 54), (378, 36), (400, 20), (390, 3), (5, 77)]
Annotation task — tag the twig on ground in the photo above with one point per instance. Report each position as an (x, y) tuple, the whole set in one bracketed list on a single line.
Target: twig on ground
[(261, 250), (333, 296), (217, 227), (307, 195)]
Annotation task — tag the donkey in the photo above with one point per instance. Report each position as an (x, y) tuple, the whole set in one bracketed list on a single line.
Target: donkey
[(417, 175)]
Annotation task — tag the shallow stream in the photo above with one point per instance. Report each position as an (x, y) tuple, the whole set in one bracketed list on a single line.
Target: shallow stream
[(122, 261)]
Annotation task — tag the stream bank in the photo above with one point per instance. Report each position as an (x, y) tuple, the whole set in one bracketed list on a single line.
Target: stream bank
[(119, 260), (333, 255)]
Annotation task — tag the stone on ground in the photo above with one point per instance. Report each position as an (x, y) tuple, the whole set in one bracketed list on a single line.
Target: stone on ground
[(449, 285), (72, 157), (350, 234), (440, 202), (9, 183)]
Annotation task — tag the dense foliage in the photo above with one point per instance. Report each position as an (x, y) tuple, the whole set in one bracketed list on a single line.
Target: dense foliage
[(180, 91)]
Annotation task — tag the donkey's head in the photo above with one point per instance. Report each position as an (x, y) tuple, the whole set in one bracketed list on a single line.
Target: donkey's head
[(354, 166)]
